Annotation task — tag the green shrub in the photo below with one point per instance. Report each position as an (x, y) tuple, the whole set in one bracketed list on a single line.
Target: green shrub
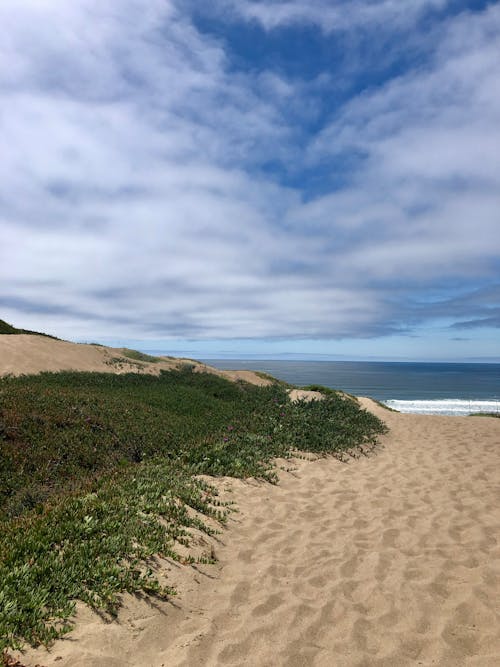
[(6, 328), (97, 474), (485, 414), (58, 428), (93, 547), (140, 356)]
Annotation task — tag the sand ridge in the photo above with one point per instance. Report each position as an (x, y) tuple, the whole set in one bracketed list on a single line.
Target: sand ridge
[(389, 560), (28, 354)]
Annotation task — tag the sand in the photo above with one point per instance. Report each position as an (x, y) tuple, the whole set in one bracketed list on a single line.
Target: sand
[(28, 354), (389, 560), (25, 353)]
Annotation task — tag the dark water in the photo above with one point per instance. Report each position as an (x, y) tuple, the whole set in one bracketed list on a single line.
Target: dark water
[(436, 388)]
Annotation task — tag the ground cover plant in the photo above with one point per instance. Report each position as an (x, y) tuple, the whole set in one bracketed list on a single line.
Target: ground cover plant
[(319, 387), (140, 356), (98, 472), (270, 378), (485, 414), (93, 546), (57, 429)]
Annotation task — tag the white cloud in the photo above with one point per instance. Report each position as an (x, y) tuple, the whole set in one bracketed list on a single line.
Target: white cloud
[(124, 160), (426, 191), (332, 15), (131, 203)]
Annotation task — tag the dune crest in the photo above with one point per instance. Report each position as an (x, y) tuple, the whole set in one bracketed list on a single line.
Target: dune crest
[(23, 354)]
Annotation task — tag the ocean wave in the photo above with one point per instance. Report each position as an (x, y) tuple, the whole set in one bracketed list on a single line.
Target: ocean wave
[(445, 406)]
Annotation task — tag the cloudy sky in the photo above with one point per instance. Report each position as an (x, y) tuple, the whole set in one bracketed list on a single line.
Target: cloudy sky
[(253, 177)]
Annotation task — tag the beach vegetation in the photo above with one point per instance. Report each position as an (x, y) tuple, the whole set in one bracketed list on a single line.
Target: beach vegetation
[(272, 379), (140, 356), (8, 329), (328, 391), (100, 473), (485, 414)]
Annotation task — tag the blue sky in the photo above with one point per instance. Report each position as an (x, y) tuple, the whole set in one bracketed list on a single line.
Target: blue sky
[(253, 178)]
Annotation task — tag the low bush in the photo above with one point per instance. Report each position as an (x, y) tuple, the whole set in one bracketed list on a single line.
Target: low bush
[(98, 474), (140, 356)]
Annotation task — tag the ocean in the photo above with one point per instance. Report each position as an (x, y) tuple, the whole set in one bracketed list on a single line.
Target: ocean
[(426, 388)]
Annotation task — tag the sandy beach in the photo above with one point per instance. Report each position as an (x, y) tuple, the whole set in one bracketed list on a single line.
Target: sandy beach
[(390, 560)]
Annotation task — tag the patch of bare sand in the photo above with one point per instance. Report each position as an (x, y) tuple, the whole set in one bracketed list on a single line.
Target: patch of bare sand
[(305, 395), (244, 376), (392, 560)]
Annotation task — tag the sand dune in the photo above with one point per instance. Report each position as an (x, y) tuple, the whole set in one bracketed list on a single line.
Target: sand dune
[(391, 560), (27, 354)]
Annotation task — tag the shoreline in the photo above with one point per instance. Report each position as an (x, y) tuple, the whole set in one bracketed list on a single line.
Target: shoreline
[(405, 382), (391, 559)]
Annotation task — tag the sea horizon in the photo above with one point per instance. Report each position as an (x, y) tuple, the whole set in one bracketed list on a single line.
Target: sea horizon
[(296, 356)]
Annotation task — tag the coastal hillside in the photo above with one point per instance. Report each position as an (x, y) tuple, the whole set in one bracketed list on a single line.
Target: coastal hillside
[(27, 353), (101, 453)]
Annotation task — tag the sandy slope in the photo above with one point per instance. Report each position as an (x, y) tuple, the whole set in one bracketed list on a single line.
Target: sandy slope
[(24, 354), (390, 560), (21, 354)]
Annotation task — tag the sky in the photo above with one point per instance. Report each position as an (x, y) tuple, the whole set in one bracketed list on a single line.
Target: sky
[(316, 178)]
